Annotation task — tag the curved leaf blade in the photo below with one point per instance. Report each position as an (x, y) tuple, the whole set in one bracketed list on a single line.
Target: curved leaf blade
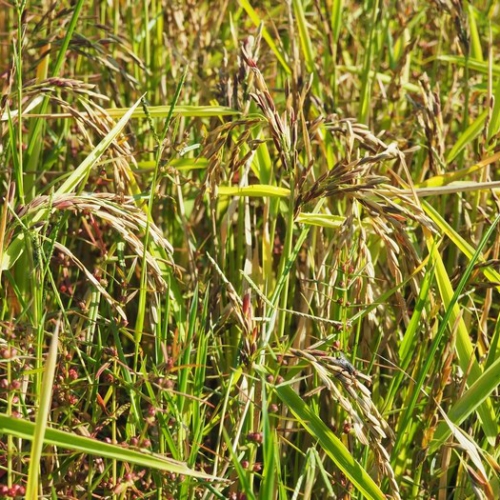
[(330, 443), (24, 429)]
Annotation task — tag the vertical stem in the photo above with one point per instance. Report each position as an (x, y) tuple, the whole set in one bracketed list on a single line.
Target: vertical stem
[(19, 79), (287, 251)]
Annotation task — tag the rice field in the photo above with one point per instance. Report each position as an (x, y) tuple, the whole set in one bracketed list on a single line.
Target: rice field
[(249, 250)]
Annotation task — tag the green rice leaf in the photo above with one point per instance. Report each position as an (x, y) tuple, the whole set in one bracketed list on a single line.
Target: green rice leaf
[(24, 429), (467, 137), (188, 111), (474, 64), (321, 220), (330, 443), (42, 417), (494, 126), (475, 40), (305, 40), (466, 248), (473, 397), (254, 191)]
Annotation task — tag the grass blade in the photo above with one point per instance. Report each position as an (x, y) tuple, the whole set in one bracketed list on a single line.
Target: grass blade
[(256, 190), (305, 40), (24, 429), (330, 443), (471, 133), (42, 417), (466, 248), (494, 127), (475, 395)]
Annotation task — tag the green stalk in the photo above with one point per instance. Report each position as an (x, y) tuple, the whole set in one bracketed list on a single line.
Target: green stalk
[(139, 325), (35, 142), (287, 252), (42, 417), (366, 83), (449, 315), (18, 59)]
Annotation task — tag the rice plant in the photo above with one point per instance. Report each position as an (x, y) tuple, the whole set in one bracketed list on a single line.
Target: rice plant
[(249, 250)]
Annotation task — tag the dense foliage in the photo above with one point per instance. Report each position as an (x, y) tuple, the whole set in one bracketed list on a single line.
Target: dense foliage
[(249, 249)]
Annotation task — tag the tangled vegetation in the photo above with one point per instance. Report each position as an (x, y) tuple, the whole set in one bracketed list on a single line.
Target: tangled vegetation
[(249, 250)]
